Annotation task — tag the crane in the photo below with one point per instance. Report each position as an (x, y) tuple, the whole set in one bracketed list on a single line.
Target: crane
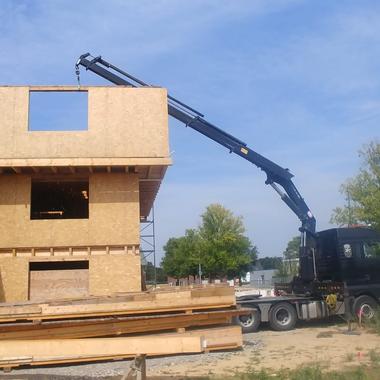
[(279, 178), (332, 262)]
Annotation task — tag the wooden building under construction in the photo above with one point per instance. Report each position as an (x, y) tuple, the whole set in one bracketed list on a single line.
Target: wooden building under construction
[(71, 200)]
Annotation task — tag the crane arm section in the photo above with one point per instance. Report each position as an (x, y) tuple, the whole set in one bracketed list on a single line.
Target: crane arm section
[(276, 175)]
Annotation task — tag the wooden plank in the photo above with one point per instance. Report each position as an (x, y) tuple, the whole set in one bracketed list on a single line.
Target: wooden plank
[(53, 349), (152, 302), (219, 338), (53, 284), (67, 351), (113, 326), (13, 311), (58, 88)]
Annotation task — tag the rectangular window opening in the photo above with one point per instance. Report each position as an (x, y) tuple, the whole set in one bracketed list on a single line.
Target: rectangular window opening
[(59, 199), (49, 280), (58, 265), (58, 110)]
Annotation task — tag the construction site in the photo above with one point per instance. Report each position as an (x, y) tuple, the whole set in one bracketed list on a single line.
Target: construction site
[(194, 197), (72, 287)]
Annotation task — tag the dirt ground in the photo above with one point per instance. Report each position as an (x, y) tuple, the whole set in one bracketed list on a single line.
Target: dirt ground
[(329, 345)]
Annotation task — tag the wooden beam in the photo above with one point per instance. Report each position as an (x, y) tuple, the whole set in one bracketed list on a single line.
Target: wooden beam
[(14, 353), (45, 350), (58, 88), (162, 171), (109, 326), (149, 172), (144, 302)]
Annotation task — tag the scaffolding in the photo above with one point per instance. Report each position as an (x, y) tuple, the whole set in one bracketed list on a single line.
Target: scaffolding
[(148, 244)]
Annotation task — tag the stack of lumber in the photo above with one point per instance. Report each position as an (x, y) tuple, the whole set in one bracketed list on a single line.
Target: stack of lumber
[(124, 325)]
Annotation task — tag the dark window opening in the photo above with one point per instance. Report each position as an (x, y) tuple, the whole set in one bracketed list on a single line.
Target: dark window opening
[(58, 265), (58, 111), (59, 200), (371, 250)]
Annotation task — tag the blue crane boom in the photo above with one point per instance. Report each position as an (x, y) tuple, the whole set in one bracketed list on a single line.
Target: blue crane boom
[(276, 175)]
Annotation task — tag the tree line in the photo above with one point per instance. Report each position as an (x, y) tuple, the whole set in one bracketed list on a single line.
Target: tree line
[(217, 249)]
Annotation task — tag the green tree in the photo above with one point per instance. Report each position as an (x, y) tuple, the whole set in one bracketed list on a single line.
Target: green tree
[(152, 273), (182, 255), (268, 263), (289, 265), (362, 192), (292, 248), (224, 248), (218, 245)]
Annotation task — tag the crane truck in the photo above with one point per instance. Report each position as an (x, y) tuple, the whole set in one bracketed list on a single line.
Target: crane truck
[(339, 268)]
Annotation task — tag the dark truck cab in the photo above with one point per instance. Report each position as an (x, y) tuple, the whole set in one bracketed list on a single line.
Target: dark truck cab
[(346, 278)]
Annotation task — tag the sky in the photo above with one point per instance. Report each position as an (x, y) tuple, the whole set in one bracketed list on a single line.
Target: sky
[(297, 80)]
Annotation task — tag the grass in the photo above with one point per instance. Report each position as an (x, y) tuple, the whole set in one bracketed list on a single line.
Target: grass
[(375, 322), (374, 357)]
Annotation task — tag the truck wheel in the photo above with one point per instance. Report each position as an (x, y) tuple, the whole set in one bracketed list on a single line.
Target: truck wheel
[(365, 308), (282, 317), (250, 322)]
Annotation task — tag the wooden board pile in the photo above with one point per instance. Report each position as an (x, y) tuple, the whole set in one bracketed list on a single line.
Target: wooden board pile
[(124, 325)]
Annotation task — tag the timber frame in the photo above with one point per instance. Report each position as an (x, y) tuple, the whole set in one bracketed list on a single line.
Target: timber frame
[(123, 154)]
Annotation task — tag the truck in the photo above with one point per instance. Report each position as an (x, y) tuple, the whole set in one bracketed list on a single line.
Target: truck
[(339, 268)]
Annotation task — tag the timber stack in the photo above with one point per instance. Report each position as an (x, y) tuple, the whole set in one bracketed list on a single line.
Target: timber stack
[(123, 325)]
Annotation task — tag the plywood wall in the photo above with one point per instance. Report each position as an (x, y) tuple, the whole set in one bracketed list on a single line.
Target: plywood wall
[(107, 274), (58, 284), (114, 217), (14, 277), (115, 274), (122, 123)]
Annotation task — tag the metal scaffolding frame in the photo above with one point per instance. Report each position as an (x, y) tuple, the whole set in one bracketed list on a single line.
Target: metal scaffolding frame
[(148, 241)]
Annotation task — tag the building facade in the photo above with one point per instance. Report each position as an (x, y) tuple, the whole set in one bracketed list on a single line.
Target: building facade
[(71, 200)]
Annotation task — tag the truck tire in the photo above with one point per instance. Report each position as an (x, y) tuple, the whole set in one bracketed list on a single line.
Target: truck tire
[(282, 317), (249, 323), (366, 306)]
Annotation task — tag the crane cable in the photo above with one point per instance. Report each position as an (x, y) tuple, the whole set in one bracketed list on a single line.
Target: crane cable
[(77, 72)]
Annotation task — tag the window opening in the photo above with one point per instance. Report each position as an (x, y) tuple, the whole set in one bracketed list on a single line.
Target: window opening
[(59, 200), (58, 110), (371, 250), (58, 265)]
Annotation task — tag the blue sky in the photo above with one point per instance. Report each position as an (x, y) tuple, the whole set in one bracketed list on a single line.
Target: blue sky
[(298, 81)]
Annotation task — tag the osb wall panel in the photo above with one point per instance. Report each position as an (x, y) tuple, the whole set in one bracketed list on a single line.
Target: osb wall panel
[(14, 277), (111, 274), (122, 122), (113, 215), (58, 284)]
